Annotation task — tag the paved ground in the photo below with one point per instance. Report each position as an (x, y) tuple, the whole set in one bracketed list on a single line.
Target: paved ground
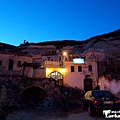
[(73, 113)]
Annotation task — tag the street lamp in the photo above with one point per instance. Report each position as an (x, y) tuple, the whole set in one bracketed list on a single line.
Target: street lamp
[(64, 54)]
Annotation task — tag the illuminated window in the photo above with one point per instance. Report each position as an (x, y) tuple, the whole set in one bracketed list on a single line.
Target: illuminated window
[(55, 75)]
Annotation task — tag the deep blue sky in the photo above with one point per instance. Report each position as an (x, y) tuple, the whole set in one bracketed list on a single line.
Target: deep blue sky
[(47, 20)]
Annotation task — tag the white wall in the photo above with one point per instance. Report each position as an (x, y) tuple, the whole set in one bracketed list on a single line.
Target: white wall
[(112, 85), (76, 79)]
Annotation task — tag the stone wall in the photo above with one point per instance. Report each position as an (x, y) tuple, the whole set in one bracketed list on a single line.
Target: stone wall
[(13, 86), (11, 63)]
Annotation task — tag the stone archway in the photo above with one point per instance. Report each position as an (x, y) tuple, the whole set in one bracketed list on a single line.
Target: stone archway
[(33, 94), (57, 76)]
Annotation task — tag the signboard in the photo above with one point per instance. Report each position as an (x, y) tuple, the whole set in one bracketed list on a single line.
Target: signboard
[(78, 61)]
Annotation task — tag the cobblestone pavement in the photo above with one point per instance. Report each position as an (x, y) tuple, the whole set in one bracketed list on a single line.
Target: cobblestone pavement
[(52, 114)]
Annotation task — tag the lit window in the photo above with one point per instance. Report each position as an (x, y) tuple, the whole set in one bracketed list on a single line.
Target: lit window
[(55, 75)]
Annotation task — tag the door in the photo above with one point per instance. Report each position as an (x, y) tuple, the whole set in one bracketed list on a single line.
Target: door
[(88, 84), (57, 76)]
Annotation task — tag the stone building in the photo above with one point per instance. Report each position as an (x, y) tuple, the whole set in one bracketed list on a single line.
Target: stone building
[(74, 75), (41, 53), (50, 62), (65, 71), (11, 63)]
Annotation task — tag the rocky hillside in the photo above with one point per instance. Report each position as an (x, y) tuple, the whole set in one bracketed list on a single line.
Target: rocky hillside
[(108, 43), (6, 47)]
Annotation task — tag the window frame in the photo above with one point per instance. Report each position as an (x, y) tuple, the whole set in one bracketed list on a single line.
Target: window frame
[(1, 62), (10, 65), (90, 68), (72, 69), (79, 68)]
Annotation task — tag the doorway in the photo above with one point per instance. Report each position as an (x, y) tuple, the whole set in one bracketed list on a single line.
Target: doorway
[(88, 85), (33, 94), (57, 76)]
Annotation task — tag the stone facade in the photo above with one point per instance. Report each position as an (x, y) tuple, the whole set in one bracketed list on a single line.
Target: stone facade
[(63, 65), (13, 87), (11, 63), (51, 63)]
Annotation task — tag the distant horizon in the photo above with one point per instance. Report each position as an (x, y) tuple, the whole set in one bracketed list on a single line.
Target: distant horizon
[(59, 40)]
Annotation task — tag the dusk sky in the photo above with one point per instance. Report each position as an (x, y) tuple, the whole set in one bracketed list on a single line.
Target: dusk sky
[(48, 20)]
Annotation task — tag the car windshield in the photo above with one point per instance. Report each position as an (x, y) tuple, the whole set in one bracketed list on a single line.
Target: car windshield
[(102, 94)]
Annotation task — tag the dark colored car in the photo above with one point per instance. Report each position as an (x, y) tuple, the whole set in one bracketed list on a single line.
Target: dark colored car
[(99, 100)]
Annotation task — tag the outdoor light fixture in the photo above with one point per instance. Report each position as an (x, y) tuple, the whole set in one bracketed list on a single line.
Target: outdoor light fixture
[(62, 70), (64, 53)]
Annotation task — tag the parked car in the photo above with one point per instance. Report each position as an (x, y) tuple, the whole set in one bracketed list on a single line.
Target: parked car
[(98, 100)]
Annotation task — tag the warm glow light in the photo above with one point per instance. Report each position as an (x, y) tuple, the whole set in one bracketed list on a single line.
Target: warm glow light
[(59, 70), (64, 53), (62, 70), (48, 70)]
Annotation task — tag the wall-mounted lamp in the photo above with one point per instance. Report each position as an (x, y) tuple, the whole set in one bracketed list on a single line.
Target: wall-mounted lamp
[(64, 53)]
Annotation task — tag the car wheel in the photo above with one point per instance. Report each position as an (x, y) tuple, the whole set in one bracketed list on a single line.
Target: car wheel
[(91, 111)]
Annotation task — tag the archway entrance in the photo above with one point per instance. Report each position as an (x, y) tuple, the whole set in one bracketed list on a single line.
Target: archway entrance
[(33, 95), (57, 76)]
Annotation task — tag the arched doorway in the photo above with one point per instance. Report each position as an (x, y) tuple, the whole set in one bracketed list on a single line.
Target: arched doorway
[(57, 76), (33, 94)]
